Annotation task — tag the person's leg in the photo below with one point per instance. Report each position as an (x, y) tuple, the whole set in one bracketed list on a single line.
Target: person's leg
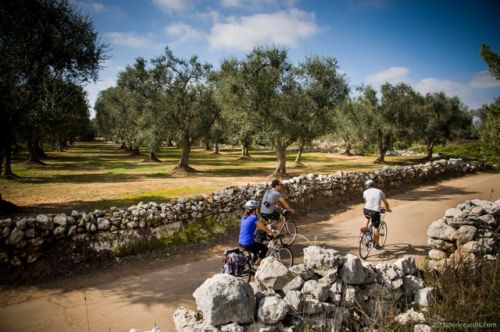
[(366, 213), (376, 233), (262, 252), (258, 250), (376, 229), (280, 223)]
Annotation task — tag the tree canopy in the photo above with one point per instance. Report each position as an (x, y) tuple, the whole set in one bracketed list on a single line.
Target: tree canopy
[(46, 47)]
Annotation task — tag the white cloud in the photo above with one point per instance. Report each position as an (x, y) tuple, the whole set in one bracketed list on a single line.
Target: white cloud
[(474, 93), (231, 3), (284, 28), (170, 6), (211, 15), (130, 39), (183, 32), (481, 89), (391, 75), (258, 4), (427, 85), (484, 80)]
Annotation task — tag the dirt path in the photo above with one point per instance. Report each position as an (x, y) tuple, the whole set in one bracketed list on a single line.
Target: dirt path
[(144, 293)]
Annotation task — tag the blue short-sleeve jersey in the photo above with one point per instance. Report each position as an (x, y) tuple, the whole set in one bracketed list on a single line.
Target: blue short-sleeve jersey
[(247, 230)]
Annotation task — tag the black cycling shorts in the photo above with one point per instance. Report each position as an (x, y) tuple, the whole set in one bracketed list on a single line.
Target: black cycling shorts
[(271, 216), (374, 216)]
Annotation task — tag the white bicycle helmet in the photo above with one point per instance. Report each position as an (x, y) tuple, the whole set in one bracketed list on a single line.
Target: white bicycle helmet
[(251, 205), (369, 183)]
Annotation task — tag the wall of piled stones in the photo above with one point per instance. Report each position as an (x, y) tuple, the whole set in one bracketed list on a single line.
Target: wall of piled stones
[(465, 234), (24, 240), (328, 292)]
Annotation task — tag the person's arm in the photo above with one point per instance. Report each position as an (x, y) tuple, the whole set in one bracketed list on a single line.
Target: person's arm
[(261, 227), (386, 204), (285, 204)]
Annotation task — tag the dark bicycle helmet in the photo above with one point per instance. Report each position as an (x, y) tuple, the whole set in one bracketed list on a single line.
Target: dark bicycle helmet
[(251, 205)]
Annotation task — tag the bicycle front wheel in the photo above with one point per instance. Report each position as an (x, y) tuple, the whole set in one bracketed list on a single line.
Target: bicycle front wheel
[(288, 233), (365, 245), (382, 237), (284, 255)]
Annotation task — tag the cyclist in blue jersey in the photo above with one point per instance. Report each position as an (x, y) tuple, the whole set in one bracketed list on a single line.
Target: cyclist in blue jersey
[(249, 223)]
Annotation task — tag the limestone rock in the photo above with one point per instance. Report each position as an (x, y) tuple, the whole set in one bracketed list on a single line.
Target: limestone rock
[(312, 306), (410, 317), (273, 274), (440, 230), (465, 234), (272, 310), (423, 296), (295, 300), (185, 319), (441, 245), (352, 272), (303, 271), (42, 221), (61, 219), (406, 265), (321, 260), (295, 284), (316, 289), (224, 299), (422, 328), (103, 224), (438, 254), (16, 236)]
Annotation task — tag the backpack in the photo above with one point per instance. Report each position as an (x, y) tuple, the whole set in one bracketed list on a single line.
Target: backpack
[(234, 262)]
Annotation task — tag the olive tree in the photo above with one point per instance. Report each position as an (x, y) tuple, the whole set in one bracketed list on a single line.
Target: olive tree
[(41, 42), (324, 90), (441, 118), (389, 119), (186, 97)]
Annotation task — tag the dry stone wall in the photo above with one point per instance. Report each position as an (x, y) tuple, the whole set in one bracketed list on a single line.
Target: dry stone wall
[(25, 240), (328, 292), (465, 234)]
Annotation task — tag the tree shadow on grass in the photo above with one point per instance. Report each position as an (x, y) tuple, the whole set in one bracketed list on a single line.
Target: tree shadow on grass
[(232, 172), (88, 206), (81, 178)]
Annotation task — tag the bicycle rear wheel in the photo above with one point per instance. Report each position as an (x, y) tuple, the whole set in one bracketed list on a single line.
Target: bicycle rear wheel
[(365, 245), (382, 233), (248, 271), (284, 255), (288, 233)]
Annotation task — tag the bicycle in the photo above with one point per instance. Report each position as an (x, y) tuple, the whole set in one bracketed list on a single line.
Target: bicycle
[(366, 237), (288, 231), (276, 250)]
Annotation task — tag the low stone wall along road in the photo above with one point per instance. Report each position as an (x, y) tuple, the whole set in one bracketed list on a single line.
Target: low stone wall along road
[(145, 292)]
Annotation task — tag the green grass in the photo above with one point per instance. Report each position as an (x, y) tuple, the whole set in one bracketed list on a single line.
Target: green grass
[(92, 175), (194, 232), (471, 149)]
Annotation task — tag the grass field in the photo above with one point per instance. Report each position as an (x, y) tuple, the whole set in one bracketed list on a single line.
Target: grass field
[(92, 175)]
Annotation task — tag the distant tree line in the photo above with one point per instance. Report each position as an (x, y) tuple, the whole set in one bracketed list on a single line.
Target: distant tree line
[(266, 99), (48, 50)]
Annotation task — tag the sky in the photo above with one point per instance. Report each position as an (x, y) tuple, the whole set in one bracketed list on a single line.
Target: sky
[(433, 45)]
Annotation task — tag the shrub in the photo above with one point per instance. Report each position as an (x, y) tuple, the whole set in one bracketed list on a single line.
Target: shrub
[(466, 294)]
